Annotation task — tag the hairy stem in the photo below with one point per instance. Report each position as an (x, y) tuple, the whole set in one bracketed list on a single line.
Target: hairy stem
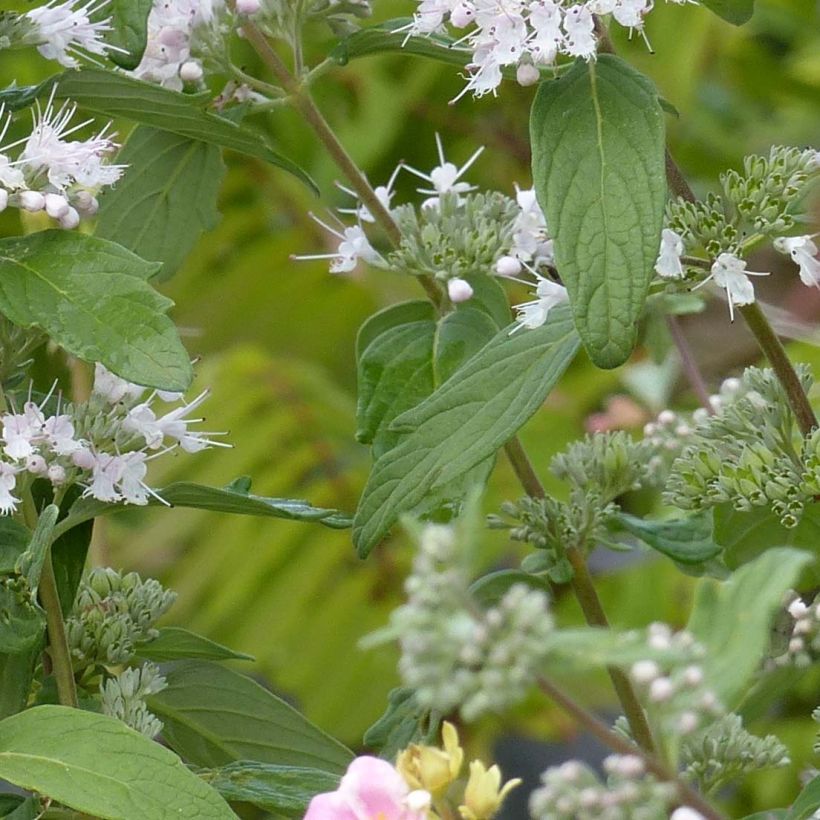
[(689, 363), (686, 794)]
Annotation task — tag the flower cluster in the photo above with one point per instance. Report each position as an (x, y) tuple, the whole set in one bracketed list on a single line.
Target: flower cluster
[(573, 791), (103, 444), (677, 699), (456, 234), (761, 199), (724, 751), (112, 613), (123, 697), (749, 454), (804, 644), (522, 36), (455, 653), (52, 173)]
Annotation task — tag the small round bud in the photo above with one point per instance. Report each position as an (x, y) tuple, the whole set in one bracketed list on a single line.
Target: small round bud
[(630, 766), (730, 385), (459, 290), (796, 645), (687, 723), (693, 676), (84, 459), (86, 203), (4, 199), (190, 72), (797, 609), (56, 205), (31, 201), (667, 417), (36, 465), (527, 74), (645, 671), (685, 813), (708, 700), (570, 771), (70, 219), (247, 6), (661, 690), (803, 627), (56, 475), (508, 266), (462, 15)]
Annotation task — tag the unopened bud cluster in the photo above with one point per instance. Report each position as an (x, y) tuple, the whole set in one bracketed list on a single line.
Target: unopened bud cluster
[(724, 751), (112, 614), (803, 647), (674, 691), (456, 654), (123, 697), (573, 791), (749, 455)]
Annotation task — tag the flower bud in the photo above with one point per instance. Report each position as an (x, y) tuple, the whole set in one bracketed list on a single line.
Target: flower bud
[(459, 290), (31, 201), (56, 205), (56, 475), (70, 219), (527, 74), (508, 266), (36, 465), (190, 72), (86, 203), (247, 6), (661, 690)]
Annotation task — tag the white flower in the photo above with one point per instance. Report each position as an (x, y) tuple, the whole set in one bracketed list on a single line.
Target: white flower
[(105, 473), (20, 431), (445, 178), (579, 26), (803, 251), (112, 389), (384, 193), (61, 29), (630, 13), (548, 38), (353, 245), (729, 272), (533, 314), (668, 264), (58, 432), (8, 478), (531, 242)]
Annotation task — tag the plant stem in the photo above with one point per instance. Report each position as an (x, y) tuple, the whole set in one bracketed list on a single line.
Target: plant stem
[(687, 795), (50, 600), (689, 363), (588, 599)]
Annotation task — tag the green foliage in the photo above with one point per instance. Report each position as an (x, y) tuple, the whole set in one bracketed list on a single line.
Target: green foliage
[(807, 803), (92, 298), (96, 765), (404, 722), (598, 166), (165, 200), (686, 540), (21, 620), (214, 716), (736, 12), (173, 643), (129, 19), (743, 605)]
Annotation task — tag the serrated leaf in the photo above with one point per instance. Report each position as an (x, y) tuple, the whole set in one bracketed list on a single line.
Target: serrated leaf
[(166, 198), (97, 765), (464, 422), (129, 20), (736, 12), (216, 499), (281, 790), (92, 299), (598, 145), (174, 643), (687, 540), (744, 605), (214, 716)]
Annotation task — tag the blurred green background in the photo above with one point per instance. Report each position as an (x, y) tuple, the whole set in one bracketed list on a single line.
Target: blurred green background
[(276, 341)]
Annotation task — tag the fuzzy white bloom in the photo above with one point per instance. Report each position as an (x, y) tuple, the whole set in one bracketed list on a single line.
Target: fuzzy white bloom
[(8, 480), (534, 314), (803, 251), (61, 30), (668, 264), (445, 177), (729, 272), (353, 246)]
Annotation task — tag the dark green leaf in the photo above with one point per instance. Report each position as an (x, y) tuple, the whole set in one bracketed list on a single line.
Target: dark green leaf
[(166, 198), (737, 12), (91, 297), (115, 95), (281, 790), (687, 540), (491, 588), (216, 499), (214, 716), (490, 297), (598, 167), (30, 564), (16, 673), (807, 803), (459, 336), (129, 19), (464, 422), (733, 619), (401, 724), (14, 538), (17, 807), (772, 814), (174, 643), (97, 765), (417, 310)]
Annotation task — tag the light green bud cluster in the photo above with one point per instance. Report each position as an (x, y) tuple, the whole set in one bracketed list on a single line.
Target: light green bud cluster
[(765, 193), (112, 613), (123, 697), (725, 751), (14, 29), (463, 236), (454, 652), (573, 791), (749, 454), (703, 224)]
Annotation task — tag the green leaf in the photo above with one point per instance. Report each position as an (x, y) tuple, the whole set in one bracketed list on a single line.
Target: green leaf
[(772, 814), (166, 198), (216, 499), (174, 643), (459, 336), (491, 588), (417, 310), (14, 538), (733, 619), (115, 95), (401, 724), (91, 297), (687, 540), (30, 563), (281, 790), (736, 12), (598, 167), (22, 622), (464, 422), (807, 803), (214, 716), (17, 807), (96, 765), (16, 673), (129, 19)]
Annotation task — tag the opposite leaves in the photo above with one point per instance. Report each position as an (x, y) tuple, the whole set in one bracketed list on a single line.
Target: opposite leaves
[(599, 173)]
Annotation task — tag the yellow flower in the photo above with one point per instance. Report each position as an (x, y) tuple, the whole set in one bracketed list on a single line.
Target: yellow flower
[(431, 768), (484, 793)]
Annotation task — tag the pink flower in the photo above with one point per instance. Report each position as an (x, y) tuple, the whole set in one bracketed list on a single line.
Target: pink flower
[(371, 789)]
